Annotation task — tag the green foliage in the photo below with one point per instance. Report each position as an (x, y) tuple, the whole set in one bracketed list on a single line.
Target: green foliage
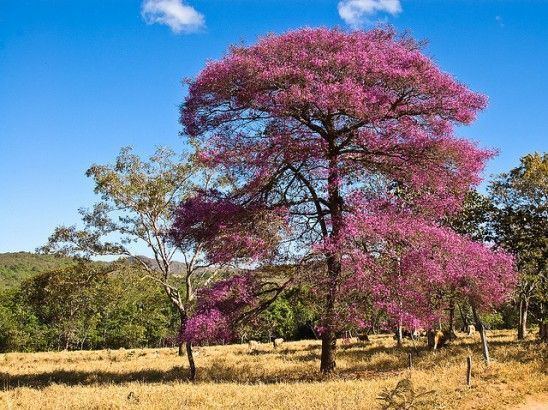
[(137, 200), (85, 306), (291, 316), (474, 218), (493, 320), (519, 222), (20, 328), (280, 319)]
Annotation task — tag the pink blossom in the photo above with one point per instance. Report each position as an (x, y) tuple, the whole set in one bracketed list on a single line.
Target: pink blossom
[(344, 142)]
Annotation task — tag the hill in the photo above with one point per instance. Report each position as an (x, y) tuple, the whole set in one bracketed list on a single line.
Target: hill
[(18, 266), (15, 267)]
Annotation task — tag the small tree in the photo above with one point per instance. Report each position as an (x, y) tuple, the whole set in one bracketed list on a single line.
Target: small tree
[(519, 222), (138, 199), (317, 124)]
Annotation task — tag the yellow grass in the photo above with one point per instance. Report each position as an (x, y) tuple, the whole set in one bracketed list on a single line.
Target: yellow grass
[(286, 378)]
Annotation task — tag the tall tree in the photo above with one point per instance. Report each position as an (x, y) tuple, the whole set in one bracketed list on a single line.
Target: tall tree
[(520, 224), (138, 198), (317, 125)]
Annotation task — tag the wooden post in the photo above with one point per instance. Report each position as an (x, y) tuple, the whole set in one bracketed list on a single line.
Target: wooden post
[(484, 346), (469, 371), (409, 360), (483, 337)]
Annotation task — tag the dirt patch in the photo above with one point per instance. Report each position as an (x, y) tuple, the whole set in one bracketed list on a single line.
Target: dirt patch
[(534, 403)]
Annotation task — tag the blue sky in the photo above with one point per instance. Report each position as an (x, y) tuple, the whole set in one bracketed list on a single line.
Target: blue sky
[(79, 79)]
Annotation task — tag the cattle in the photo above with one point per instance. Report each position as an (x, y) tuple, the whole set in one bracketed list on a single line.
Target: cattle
[(408, 334), (278, 342), (471, 329), (436, 339), (347, 341), (252, 345), (363, 337)]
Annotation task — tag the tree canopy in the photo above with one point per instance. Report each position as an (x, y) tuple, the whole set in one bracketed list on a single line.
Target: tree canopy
[(321, 129)]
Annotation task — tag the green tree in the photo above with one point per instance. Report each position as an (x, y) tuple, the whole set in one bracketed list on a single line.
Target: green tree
[(68, 302), (473, 220), (20, 328), (520, 225), (135, 312), (137, 202), (88, 305)]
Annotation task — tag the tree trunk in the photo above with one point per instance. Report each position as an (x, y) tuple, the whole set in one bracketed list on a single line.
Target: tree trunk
[(523, 310), (484, 346), (464, 319), (430, 338), (188, 344), (543, 332), (182, 324), (191, 364), (333, 261), (329, 337), (329, 346), (451, 333), (483, 337), (543, 324), (399, 335)]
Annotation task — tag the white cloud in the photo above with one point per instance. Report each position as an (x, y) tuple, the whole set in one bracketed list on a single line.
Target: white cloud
[(178, 16), (356, 12)]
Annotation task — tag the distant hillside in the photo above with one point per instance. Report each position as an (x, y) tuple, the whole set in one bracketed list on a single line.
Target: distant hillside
[(177, 268), (18, 266), (15, 267)]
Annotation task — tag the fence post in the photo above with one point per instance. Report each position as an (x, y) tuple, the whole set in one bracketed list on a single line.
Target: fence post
[(469, 371), (409, 360)]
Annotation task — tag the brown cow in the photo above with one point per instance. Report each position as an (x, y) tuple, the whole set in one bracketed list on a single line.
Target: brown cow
[(436, 338), (363, 337)]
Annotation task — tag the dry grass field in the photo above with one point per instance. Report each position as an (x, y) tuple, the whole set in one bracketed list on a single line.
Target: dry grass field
[(231, 377)]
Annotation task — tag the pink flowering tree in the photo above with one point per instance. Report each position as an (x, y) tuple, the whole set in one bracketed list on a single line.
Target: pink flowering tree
[(219, 308), (227, 305), (315, 125), (420, 267)]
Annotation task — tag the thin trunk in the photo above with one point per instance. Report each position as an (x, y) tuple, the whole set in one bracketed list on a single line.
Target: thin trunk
[(399, 335), (191, 364), (483, 337), (543, 324), (181, 341), (451, 333), (188, 344), (523, 310)]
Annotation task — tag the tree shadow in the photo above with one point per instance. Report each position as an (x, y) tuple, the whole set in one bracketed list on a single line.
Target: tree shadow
[(83, 378), (382, 359), (263, 351)]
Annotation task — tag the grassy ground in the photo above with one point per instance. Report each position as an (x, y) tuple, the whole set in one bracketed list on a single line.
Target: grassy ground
[(231, 377)]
